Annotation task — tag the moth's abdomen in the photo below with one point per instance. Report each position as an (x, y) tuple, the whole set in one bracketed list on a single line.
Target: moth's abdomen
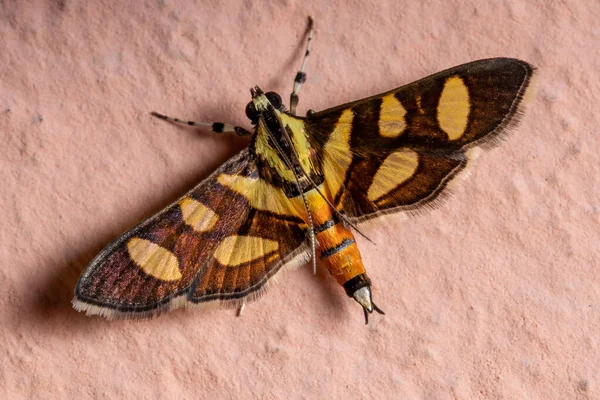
[(338, 250), (336, 246)]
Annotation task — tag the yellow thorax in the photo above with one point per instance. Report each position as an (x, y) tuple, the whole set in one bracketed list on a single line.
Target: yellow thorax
[(300, 142)]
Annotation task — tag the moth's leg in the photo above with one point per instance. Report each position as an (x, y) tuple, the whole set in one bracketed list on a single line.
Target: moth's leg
[(217, 127), (301, 75), (240, 309)]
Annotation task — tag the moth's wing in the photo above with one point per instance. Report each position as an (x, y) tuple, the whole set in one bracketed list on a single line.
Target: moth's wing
[(271, 238), (399, 150), (210, 245)]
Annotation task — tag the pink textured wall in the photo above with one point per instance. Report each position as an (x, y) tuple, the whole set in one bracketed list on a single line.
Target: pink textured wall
[(494, 295)]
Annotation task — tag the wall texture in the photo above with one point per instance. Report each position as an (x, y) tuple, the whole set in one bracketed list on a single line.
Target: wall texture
[(494, 295)]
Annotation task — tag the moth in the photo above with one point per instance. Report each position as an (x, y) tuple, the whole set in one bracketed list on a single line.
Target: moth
[(301, 190)]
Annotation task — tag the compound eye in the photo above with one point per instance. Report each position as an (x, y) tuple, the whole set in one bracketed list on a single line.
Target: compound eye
[(274, 99), (251, 112)]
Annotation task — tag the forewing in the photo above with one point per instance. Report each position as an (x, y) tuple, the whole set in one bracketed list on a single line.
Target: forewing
[(399, 150), (169, 260)]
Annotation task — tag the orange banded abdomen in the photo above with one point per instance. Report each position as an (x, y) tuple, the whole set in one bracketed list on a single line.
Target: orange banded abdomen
[(336, 246), (339, 252), (337, 249)]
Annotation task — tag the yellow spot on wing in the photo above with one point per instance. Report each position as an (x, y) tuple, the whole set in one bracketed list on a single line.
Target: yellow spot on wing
[(260, 194), (391, 117), (397, 168), (337, 155), (154, 259), (197, 215), (453, 108), (236, 250)]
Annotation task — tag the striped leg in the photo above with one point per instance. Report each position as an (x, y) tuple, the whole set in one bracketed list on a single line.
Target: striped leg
[(217, 127), (301, 75)]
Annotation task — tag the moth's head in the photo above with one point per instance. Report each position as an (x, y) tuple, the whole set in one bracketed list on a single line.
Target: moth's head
[(262, 103)]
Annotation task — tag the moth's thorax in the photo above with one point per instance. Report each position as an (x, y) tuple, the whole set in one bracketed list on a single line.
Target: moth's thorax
[(281, 141)]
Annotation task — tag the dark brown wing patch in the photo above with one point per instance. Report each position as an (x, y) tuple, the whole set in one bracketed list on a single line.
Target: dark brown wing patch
[(407, 144), (262, 249), (157, 265)]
